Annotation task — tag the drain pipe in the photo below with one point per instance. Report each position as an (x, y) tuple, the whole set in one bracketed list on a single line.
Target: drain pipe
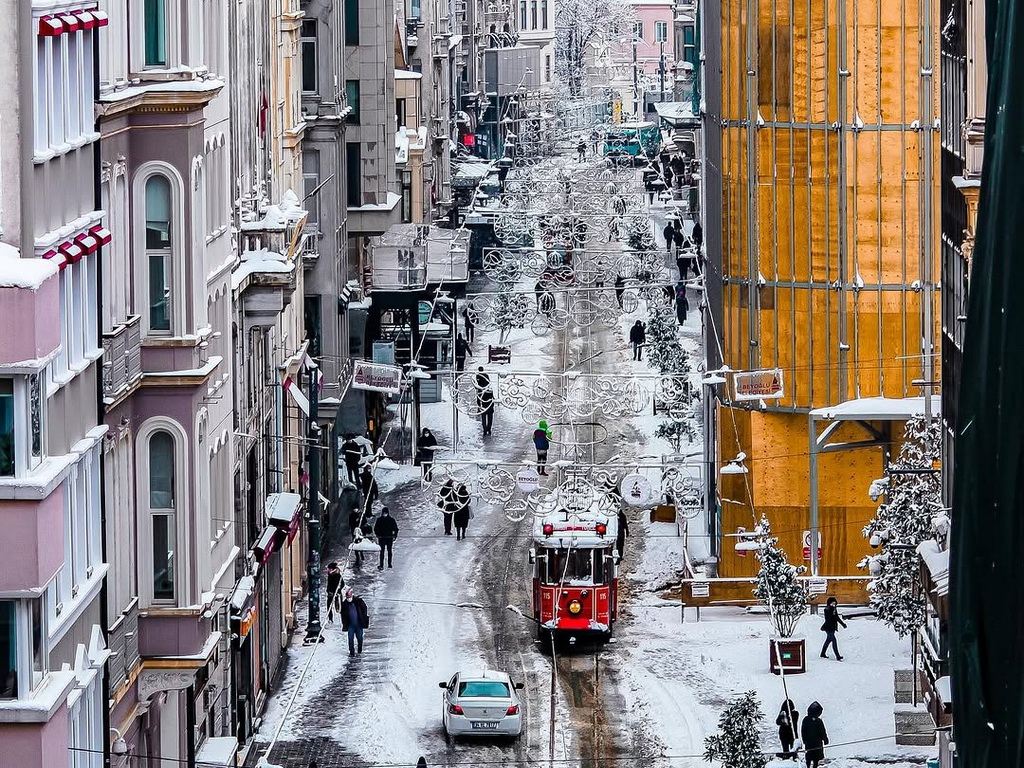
[(928, 129)]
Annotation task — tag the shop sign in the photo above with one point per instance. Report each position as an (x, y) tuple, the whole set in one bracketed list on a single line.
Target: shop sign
[(758, 385), (376, 378)]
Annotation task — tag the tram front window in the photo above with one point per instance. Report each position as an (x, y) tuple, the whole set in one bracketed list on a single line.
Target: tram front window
[(578, 566)]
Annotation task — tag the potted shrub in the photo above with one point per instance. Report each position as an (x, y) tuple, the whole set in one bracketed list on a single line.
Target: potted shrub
[(781, 592)]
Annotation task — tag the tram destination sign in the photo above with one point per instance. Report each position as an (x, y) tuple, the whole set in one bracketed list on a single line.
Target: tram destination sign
[(758, 385)]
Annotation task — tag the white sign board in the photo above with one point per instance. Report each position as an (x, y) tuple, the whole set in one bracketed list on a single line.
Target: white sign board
[(527, 480), (807, 545), (700, 589), (636, 490), (817, 587), (376, 377), (758, 385)]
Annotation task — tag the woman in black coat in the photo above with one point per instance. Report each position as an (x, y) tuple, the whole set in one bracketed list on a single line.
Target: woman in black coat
[(814, 735), (426, 443), (787, 721), (830, 626), (462, 513)]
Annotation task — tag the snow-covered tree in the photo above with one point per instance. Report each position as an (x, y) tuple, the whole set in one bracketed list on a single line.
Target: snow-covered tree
[(664, 351), (913, 500), (583, 28), (674, 430), (639, 236), (777, 586), (509, 311), (736, 745)]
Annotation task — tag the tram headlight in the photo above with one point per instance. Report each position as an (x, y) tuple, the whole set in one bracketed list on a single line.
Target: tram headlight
[(575, 607)]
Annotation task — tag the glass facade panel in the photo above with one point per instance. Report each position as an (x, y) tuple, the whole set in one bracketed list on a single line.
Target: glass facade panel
[(156, 33), (7, 447)]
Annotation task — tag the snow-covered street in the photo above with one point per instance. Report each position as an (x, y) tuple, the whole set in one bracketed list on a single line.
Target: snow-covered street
[(650, 696)]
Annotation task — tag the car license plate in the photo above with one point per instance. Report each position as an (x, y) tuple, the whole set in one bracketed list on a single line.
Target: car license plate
[(478, 726)]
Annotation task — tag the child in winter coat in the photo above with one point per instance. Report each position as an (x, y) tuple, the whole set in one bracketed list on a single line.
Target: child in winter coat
[(814, 735), (542, 441)]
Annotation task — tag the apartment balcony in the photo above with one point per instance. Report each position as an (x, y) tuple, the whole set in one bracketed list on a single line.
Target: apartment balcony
[(123, 643), (122, 359), (310, 246)]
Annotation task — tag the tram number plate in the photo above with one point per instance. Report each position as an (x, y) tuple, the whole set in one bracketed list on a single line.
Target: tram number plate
[(477, 726)]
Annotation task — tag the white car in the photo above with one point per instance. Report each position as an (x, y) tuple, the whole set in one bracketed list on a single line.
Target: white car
[(482, 704)]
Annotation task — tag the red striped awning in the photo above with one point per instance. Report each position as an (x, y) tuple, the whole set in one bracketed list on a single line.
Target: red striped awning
[(55, 257), (88, 242), (71, 252), (71, 22), (50, 26), (86, 18), (101, 233), (101, 18)]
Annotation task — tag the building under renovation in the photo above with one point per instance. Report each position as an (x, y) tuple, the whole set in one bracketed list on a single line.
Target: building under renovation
[(822, 185)]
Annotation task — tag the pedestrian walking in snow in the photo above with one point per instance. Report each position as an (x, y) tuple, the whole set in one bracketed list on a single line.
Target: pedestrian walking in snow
[(386, 531), (669, 233), (613, 229), (352, 453), (354, 619), (426, 444), (369, 485), (542, 441), (788, 720), (462, 514), (482, 380), (581, 151), (682, 303), (698, 235), (335, 583), (637, 337), (461, 353), (830, 626), (620, 288), (621, 534), (485, 401), (682, 242), (814, 735), (467, 321), (683, 265)]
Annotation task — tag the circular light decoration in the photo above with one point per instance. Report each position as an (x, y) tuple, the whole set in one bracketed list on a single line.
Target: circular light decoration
[(636, 490), (575, 607)]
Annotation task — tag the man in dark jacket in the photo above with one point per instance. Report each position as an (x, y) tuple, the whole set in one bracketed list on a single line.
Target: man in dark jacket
[(669, 234), (461, 353), (369, 485), (352, 452), (830, 626), (698, 235), (354, 619), (335, 583), (814, 736), (682, 303), (485, 401), (386, 531), (637, 337)]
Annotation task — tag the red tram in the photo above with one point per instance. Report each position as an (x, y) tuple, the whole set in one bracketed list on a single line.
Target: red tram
[(575, 579)]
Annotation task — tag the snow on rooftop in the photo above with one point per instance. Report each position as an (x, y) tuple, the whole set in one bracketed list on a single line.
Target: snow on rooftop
[(16, 272), (259, 261)]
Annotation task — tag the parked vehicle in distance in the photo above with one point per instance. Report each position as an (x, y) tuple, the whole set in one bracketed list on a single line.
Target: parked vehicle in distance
[(481, 704)]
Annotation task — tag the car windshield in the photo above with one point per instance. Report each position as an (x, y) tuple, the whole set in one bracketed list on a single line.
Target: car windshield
[(486, 689)]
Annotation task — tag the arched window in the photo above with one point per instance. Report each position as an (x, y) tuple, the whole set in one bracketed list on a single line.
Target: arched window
[(163, 513), (155, 33), (158, 251)]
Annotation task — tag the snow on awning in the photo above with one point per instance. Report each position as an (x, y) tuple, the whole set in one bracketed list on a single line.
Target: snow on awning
[(676, 112), (243, 591), (469, 174), (878, 409), (218, 751), (281, 508), (936, 560)]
